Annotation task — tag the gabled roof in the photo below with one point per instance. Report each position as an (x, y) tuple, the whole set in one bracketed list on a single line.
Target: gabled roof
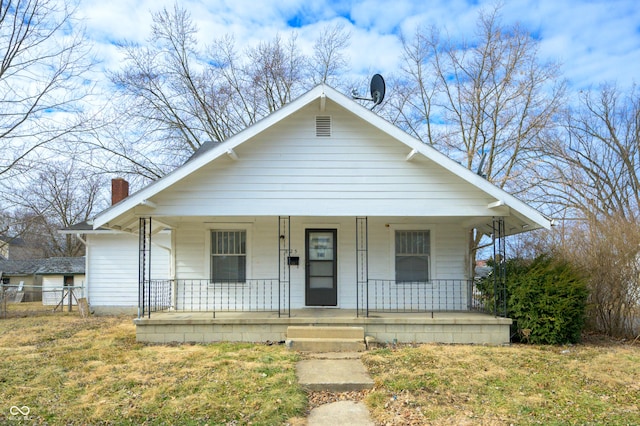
[(62, 266), (526, 213), (19, 267)]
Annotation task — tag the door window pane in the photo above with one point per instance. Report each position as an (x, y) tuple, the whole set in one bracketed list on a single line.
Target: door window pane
[(324, 269), (321, 246), (320, 282)]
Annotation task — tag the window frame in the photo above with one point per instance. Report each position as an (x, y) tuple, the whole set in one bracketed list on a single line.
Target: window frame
[(210, 255), (394, 254)]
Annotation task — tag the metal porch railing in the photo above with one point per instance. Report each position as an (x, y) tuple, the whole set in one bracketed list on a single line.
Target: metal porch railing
[(202, 295), (271, 295), (442, 295)]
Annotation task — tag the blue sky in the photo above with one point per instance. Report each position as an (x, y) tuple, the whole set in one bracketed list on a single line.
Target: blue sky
[(596, 41)]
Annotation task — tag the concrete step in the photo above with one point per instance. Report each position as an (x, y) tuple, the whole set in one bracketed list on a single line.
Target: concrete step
[(333, 375), (326, 345), (325, 332), (325, 339)]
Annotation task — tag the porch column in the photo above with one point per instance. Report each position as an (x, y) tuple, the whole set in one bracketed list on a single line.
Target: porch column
[(500, 268), (362, 266), (284, 265), (144, 266)]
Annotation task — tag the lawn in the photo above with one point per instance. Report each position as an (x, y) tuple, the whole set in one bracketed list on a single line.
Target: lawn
[(514, 385), (65, 370)]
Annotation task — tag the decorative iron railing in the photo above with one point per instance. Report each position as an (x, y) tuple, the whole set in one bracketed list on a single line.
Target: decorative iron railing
[(155, 296), (443, 295), (201, 295), (272, 295)]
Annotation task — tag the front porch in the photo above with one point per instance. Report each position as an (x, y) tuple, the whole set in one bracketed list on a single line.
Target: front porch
[(384, 327), (396, 279)]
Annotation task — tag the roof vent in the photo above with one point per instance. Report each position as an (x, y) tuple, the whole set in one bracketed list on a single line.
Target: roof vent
[(323, 126)]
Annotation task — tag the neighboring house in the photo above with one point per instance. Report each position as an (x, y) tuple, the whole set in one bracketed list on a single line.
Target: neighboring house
[(16, 272), (59, 272), (15, 248), (322, 204), (43, 279)]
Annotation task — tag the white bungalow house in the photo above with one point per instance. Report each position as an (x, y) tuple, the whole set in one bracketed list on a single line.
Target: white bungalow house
[(323, 213)]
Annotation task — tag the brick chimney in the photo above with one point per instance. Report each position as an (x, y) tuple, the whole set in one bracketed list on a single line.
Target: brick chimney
[(119, 190)]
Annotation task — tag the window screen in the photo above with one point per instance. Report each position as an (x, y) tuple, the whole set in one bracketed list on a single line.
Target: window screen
[(228, 256), (413, 249)]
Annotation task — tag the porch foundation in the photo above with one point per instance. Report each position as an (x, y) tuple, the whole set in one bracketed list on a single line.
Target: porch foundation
[(446, 327)]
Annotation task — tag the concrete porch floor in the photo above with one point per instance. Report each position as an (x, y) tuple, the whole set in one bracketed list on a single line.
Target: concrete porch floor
[(313, 314), (426, 327)]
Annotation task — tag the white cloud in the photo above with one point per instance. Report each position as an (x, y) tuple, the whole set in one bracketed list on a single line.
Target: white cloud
[(375, 52), (596, 40)]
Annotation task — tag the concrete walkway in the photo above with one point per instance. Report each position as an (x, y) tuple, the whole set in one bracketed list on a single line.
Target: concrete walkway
[(336, 372), (340, 413)]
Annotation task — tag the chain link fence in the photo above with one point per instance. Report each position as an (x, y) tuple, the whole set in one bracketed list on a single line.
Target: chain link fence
[(31, 300)]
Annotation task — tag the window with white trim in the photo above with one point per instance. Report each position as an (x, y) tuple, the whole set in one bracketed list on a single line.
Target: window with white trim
[(228, 255), (412, 253)]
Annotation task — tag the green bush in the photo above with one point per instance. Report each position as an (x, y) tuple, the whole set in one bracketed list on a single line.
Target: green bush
[(546, 300)]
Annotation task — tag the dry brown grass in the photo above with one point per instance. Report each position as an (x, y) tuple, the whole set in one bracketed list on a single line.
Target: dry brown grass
[(456, 384), (73, 371)]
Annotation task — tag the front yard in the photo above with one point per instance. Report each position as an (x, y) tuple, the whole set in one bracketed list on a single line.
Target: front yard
[(62, 369)]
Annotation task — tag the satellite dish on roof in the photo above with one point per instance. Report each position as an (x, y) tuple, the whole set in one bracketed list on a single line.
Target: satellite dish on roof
[(378, 89)]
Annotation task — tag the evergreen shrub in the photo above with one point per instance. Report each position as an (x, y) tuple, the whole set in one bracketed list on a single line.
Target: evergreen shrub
[(546, 298)]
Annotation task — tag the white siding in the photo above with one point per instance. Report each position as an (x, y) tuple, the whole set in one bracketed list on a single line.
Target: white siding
[(448, 245), (287, 170), (52, 288), (112, 268)]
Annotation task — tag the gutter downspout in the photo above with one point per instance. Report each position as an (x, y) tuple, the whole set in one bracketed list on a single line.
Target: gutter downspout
[(85, 284)]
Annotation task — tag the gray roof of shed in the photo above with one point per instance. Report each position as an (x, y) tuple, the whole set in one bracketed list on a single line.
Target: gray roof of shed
[(50, 266)]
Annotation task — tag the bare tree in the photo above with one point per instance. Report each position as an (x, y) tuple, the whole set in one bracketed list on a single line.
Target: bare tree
[(329, 60), (486, 102), (592, 172), (61, 196), (593, 167), (275, 68), (174, 95), (608, 251), (41, 82)]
